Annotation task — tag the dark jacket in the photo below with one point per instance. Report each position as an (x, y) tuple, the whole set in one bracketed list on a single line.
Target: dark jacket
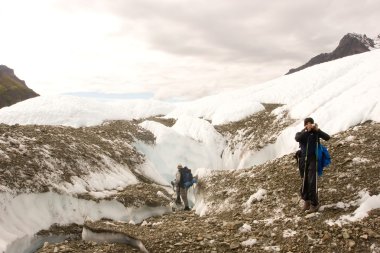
[(309, 140)]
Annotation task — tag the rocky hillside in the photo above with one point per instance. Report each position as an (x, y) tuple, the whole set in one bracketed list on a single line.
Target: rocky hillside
[(350, 44), (49, 158), (12, 89), (257, 210), (243, 135)]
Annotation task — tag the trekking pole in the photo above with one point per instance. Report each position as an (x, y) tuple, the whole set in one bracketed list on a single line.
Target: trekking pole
[(316, 170), (304, 171)]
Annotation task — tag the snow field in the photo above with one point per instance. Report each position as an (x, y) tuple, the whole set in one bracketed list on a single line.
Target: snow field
[(79, 112), (365, 204), (101, 184), (44, 209), (190, 142)]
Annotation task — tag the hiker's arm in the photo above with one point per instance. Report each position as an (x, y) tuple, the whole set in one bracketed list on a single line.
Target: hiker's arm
[(300, 136), (323, 135), (177, 177)]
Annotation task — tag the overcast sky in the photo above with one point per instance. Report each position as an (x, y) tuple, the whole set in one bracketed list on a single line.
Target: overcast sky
[(172, 49)]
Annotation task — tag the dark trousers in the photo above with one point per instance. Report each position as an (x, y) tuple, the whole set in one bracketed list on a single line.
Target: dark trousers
[(178, 199), (309, 191), (183, 193)]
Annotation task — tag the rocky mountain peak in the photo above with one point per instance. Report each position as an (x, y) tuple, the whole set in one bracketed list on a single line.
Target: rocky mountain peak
[(13, 89), (4, 70), (356, 36), (350, 44)]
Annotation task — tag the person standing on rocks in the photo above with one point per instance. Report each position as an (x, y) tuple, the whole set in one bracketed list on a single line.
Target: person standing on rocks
[(308, 139), (180, 184)]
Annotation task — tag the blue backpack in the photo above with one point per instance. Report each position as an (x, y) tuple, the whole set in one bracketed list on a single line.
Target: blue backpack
[(187, 178), (324, 159)]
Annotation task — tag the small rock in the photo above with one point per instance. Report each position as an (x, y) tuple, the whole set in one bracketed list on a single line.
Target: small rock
[(346, 235), (55, 249), (326, 237), (232, 225), (45, 244), (365, 237), (351, 243), (242, 239), (224, 243), (295, 200), (311, 215), (234, 245), (371, 233)]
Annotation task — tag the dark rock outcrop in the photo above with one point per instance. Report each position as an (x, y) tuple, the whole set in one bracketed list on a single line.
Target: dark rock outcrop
[(350, 44), (12, 89)]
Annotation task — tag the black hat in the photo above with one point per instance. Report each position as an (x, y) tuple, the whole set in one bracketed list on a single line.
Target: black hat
[(307, 120)]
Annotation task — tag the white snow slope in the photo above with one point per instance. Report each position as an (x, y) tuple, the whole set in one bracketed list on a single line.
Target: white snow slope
[(345, 90), (77, 112), (337, 94)]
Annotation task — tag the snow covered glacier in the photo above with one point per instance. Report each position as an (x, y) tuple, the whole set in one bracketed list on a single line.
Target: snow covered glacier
[(337, 94)]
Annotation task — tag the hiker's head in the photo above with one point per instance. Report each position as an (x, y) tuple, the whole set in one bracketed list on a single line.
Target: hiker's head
[(179, 166), (309, 123), (308, 120)]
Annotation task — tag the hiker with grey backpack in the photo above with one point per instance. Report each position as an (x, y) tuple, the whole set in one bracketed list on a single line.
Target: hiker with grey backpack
[(310, 162)]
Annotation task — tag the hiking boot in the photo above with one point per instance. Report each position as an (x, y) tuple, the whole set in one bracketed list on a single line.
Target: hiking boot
[(187, 208), (306, 205), (313, 209)]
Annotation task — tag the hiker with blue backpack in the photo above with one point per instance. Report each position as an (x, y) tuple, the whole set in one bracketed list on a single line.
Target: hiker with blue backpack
[(184, 179), (312, 159)]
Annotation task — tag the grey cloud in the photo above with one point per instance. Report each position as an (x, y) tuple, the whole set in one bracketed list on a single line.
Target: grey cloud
[(250, 31), (245, 30), (264, 38)]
